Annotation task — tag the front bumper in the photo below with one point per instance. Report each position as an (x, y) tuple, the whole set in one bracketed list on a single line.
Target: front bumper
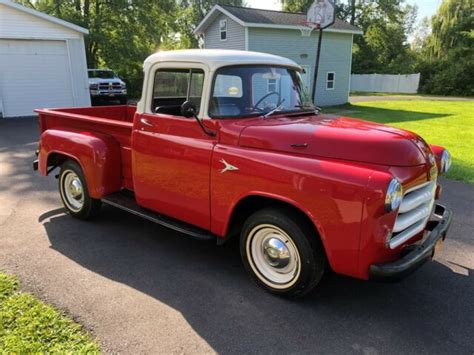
[(416, 255), (108, 93)]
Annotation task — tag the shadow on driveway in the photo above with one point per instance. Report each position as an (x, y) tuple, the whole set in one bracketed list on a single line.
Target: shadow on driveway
[(430, 312)]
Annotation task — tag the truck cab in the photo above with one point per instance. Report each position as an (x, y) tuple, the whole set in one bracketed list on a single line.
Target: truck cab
[(228, 144)]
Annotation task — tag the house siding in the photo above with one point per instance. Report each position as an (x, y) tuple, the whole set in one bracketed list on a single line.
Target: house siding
[(16, 24), (335, 57), (235, 35), (80, 79)]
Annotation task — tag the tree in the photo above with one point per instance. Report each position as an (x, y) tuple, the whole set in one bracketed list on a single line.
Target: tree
[(452, 27), (384, 46), (446, 58)]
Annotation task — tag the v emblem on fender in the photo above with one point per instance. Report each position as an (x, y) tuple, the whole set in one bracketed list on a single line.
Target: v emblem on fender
[(227, 167)]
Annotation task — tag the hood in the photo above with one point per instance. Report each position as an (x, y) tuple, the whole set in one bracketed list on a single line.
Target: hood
[(106, 81), (336, 137)]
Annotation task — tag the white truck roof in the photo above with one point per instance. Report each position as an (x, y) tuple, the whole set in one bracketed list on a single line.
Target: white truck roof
[(216, 58)]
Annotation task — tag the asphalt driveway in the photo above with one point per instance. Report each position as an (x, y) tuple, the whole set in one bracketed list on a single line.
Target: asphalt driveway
[(141, 288)]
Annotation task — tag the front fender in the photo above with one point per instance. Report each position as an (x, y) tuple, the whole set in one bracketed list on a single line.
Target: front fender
[(96, 153), (331, 193)]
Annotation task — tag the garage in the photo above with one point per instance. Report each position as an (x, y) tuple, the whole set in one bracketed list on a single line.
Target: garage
[(42, 62)]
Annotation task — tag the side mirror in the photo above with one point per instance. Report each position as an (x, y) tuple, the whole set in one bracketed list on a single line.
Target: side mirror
[(188, 109)]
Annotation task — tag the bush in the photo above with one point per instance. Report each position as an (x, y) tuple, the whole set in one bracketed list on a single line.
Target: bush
[(450, 76)]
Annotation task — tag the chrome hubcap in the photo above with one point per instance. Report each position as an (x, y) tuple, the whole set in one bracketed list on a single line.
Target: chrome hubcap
[(72, 190), (75, 188), (276, 253), (273, 256)]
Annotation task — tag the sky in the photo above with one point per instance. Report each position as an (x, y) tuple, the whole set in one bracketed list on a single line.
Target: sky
[(425, 7)]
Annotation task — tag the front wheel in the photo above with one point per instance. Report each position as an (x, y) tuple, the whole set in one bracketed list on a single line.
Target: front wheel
[(282, 253), (74, 192)]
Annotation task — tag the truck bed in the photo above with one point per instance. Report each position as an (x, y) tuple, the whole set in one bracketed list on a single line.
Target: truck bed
[(116, 121)]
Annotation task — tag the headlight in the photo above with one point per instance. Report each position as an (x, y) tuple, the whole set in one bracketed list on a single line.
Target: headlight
[(123, 85), (93, 86), (445, 161), (394, 195)]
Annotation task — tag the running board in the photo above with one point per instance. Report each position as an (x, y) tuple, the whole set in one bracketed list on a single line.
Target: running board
[(125, 200)]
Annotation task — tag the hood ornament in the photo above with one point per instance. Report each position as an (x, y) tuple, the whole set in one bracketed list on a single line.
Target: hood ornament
[(227, 166)]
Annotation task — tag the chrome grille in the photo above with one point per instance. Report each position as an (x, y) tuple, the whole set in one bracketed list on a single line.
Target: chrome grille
[(414, 212), (107, 86)]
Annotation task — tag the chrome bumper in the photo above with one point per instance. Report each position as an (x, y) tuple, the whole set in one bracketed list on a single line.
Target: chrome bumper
[(415, 255)]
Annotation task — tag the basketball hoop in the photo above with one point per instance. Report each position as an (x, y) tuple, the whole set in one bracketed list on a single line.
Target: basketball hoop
[(306, 27), (321, 13)]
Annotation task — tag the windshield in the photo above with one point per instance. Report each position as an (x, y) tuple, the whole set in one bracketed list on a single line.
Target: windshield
[(101, 74), (242, 91)]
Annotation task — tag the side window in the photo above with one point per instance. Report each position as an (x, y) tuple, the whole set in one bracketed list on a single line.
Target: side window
[(330, 80), (223, 29), (172, 87), (171, 83)]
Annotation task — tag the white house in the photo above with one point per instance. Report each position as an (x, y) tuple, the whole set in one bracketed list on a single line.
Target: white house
[(42, 62)]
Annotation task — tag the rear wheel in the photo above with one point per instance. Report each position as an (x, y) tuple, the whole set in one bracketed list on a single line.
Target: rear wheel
[(281, 252), (74, 192)]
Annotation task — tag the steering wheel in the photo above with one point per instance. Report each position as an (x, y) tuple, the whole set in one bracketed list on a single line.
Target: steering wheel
[(255, 107)]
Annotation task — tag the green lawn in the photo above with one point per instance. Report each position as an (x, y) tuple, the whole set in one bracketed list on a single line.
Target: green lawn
[(368, 93), (421, 96), (446, 123), (27, 325)]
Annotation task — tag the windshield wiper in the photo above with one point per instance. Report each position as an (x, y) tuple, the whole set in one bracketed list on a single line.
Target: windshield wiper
[(276, 109), (314, 108)]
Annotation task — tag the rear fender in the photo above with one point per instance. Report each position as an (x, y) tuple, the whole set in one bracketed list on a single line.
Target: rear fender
[(96, 153)]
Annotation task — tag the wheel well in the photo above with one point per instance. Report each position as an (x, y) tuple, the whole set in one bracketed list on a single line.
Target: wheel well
[(56, 159), (251, 204)]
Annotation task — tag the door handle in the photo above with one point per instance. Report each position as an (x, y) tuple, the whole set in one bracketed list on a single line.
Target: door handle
[(146, 122)]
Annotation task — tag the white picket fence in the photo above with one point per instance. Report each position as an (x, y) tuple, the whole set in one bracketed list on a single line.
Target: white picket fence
[(398, 83)]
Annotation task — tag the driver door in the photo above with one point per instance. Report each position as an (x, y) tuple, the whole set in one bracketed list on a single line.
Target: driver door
[(171, 155)]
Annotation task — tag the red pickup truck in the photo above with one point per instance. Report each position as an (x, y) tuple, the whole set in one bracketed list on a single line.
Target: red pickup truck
[(228, 143)]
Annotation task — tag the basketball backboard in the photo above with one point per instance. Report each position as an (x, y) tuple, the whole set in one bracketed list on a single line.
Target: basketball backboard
[(322, 13)]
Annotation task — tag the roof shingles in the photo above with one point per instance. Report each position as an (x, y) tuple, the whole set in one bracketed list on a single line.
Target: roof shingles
[(270, 17)]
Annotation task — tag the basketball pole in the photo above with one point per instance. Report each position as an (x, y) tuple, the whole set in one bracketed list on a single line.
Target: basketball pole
[(316, 65)]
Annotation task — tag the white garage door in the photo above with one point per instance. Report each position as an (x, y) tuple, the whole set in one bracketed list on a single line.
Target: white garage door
[(33, 74)]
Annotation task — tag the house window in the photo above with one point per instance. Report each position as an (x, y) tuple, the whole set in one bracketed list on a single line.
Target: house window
[(271, 85), (223, 29), (330, 80)]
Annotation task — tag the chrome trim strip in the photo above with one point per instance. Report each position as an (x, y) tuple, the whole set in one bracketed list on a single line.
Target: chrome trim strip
[(402, 237), (405, 220), (417, 187), (415, 198)]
